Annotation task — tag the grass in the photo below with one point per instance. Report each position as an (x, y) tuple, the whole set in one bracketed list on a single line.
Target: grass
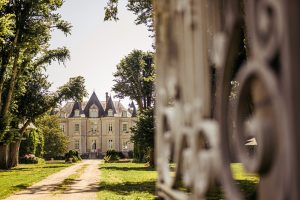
[(126, 181), (245, 181), (132, 181), (70, 180), (24, 175)]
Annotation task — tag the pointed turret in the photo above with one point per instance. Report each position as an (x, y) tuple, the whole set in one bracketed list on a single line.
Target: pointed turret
[(76, 107), (110, 106)]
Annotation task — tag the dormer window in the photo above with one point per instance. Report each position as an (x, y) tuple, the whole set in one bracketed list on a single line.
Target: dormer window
[(124, 114), (93, 111), (77, 113), (110, 113)]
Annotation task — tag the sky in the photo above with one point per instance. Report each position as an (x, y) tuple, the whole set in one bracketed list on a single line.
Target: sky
[(96, 46)]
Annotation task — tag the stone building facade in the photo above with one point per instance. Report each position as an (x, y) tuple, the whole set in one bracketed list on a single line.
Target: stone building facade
[(93, 127)]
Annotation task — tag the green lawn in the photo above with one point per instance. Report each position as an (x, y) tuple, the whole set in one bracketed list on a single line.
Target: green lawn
[(132, 181), (245, 181), (128, 181), (25, 175)]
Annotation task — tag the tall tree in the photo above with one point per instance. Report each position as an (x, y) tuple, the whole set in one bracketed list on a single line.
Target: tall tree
[(28, 38), (134, 78), (32, 24), (35, 102)]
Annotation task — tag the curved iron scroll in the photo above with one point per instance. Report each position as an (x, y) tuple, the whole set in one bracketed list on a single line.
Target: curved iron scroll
[(194, 141)]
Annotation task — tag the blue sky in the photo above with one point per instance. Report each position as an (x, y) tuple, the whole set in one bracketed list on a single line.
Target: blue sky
[(96, 46)]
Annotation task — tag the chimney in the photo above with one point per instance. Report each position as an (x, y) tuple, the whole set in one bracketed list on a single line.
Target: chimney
[(106, 96)]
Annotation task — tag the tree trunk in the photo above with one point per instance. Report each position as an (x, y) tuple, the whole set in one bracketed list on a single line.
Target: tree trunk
[(4, 155), (11, 87), (5, 64), (140, 103), (13, 159), (151, 161)]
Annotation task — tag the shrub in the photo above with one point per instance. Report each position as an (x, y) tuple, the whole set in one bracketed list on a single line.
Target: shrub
[(115, 153), (31, 159), (112, 155), (130, 154), (84, 156), (107, 158), (121, 154), (74, 159), (72, 156)]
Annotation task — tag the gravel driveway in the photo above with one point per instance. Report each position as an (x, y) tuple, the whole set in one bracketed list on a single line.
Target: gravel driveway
[(84, 187)]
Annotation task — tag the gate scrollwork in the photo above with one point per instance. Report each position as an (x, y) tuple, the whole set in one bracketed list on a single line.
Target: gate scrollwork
[(195, 140)]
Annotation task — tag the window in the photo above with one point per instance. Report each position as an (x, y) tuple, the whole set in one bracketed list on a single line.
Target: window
[(77, 113), (125, 144), (76, 127), (110, 113), (62, 127), (110, 127), (94, 111), (76, 144), (94, 145), (124, 127), (110, 144), (124, 114)]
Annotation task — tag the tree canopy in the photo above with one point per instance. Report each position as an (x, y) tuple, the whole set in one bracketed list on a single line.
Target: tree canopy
[(141, 8), (25, 33), (55, 142), (25, 48), (134, 78)]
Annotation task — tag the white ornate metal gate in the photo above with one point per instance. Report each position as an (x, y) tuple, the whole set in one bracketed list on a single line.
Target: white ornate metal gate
[(196, 38)]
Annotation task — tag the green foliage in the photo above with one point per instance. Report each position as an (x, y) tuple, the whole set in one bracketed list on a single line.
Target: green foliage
[(72, 156), (111, 10), (113, 156), (33, 143), (6, 23), (39, 150), (134, 78), (143, 136), (60, 55), (31, 159), (73, 89), (107, 158), (143, 9), (56, 143), (25, 32)]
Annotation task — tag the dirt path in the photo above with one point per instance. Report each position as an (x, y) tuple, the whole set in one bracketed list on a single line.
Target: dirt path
[(83, 188)]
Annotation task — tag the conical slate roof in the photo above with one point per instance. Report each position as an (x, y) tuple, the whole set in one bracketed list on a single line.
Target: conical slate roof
[(110, 105), (94, 100), (76, 106), (103, 106)]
